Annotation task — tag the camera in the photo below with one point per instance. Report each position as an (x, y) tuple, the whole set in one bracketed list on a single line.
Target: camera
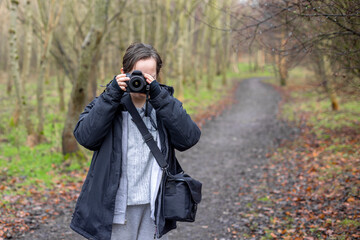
[(137, 83)]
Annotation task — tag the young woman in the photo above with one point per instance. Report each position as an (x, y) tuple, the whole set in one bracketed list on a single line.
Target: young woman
[(118, 198)]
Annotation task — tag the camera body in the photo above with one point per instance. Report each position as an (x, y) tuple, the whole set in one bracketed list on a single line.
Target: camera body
[(137, 82)]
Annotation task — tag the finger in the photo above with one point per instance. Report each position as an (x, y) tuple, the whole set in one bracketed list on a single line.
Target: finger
[(122, 78), (120, 75), (122, 84), (149, 78)]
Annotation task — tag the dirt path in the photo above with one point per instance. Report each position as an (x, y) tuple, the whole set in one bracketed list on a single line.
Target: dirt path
[(227, 161), (228, 158)]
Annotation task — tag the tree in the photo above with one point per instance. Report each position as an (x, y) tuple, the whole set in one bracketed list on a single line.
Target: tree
[(327, 27), (90, 47), (14, 59), (282, 60), (213, 37), (67, 44), (50, 16), (226, 40), (322, 75), (29, 41)]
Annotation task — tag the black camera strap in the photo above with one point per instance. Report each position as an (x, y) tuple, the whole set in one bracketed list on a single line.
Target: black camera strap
[(147, 101), (148, 138)]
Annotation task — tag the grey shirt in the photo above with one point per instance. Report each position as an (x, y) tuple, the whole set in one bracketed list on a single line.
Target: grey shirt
[(139, 160), (124, 188)]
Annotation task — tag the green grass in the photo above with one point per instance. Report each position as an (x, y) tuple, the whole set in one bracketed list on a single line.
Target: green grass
[(193, 99), (38, 167), (264, 199), (350, 223), (347, 116), (314, 103), (321, 115)]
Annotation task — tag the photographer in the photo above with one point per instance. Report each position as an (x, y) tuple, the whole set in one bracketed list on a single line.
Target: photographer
[(118, 198)]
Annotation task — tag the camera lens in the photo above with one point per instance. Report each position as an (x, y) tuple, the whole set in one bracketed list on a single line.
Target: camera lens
[(137, 84)]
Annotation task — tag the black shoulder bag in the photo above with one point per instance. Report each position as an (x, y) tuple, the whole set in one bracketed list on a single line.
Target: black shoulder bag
[(182, 193)]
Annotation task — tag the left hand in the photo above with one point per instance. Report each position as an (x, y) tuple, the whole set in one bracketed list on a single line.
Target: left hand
[(149, 79)]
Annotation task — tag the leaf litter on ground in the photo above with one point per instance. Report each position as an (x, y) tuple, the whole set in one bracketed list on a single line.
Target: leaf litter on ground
[(38, 203), (311, 186)]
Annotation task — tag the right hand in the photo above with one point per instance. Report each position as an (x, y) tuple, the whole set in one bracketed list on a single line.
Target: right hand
[(121, 81)]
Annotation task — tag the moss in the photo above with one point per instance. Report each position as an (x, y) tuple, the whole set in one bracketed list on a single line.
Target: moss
[(264, 199), (350, 223)]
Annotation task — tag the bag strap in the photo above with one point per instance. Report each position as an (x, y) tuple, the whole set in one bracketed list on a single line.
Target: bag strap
[(147, 136)]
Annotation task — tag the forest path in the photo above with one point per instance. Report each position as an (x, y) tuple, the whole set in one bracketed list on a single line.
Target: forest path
[(226, 160)]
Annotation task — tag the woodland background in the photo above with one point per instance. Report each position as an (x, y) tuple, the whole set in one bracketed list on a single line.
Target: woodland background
[(55, 56)]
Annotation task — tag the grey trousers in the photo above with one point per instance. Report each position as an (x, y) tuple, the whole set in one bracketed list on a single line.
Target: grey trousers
[(138, 225)]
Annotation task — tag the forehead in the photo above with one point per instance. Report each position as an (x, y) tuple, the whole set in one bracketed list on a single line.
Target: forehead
[(146, 65)]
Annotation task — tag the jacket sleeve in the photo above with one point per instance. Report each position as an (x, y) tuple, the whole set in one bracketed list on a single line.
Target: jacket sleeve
[(96, 120), (184, 133)]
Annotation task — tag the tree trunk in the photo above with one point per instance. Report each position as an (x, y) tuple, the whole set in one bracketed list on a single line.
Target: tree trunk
[(132, 31), (26, 71), (142, 23), (256, 60), (283, 71), (40, 87), (282, 60), (150, 36), (29, 40), (90, 45), (226, 42), (213, 42), (101, 67), (93, 76), (158, 25), (203, 56), (181, 52), (320, 72), (235, 61), (9, 84), (3, 51), (14, 60), (61, 86), (274, 65), (249, 58), (195, 63), (49, 22), (187, 35)]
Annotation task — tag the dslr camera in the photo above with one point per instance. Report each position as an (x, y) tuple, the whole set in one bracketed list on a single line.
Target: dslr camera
[(137, 82)]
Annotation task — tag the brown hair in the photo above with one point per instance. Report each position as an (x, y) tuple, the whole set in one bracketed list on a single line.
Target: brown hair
[(140, 51)]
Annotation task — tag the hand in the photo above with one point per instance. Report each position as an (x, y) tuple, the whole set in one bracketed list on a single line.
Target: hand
[(121, 81), (149, 79)]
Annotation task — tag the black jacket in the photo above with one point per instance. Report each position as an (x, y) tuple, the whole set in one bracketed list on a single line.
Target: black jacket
[(100, 129)]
